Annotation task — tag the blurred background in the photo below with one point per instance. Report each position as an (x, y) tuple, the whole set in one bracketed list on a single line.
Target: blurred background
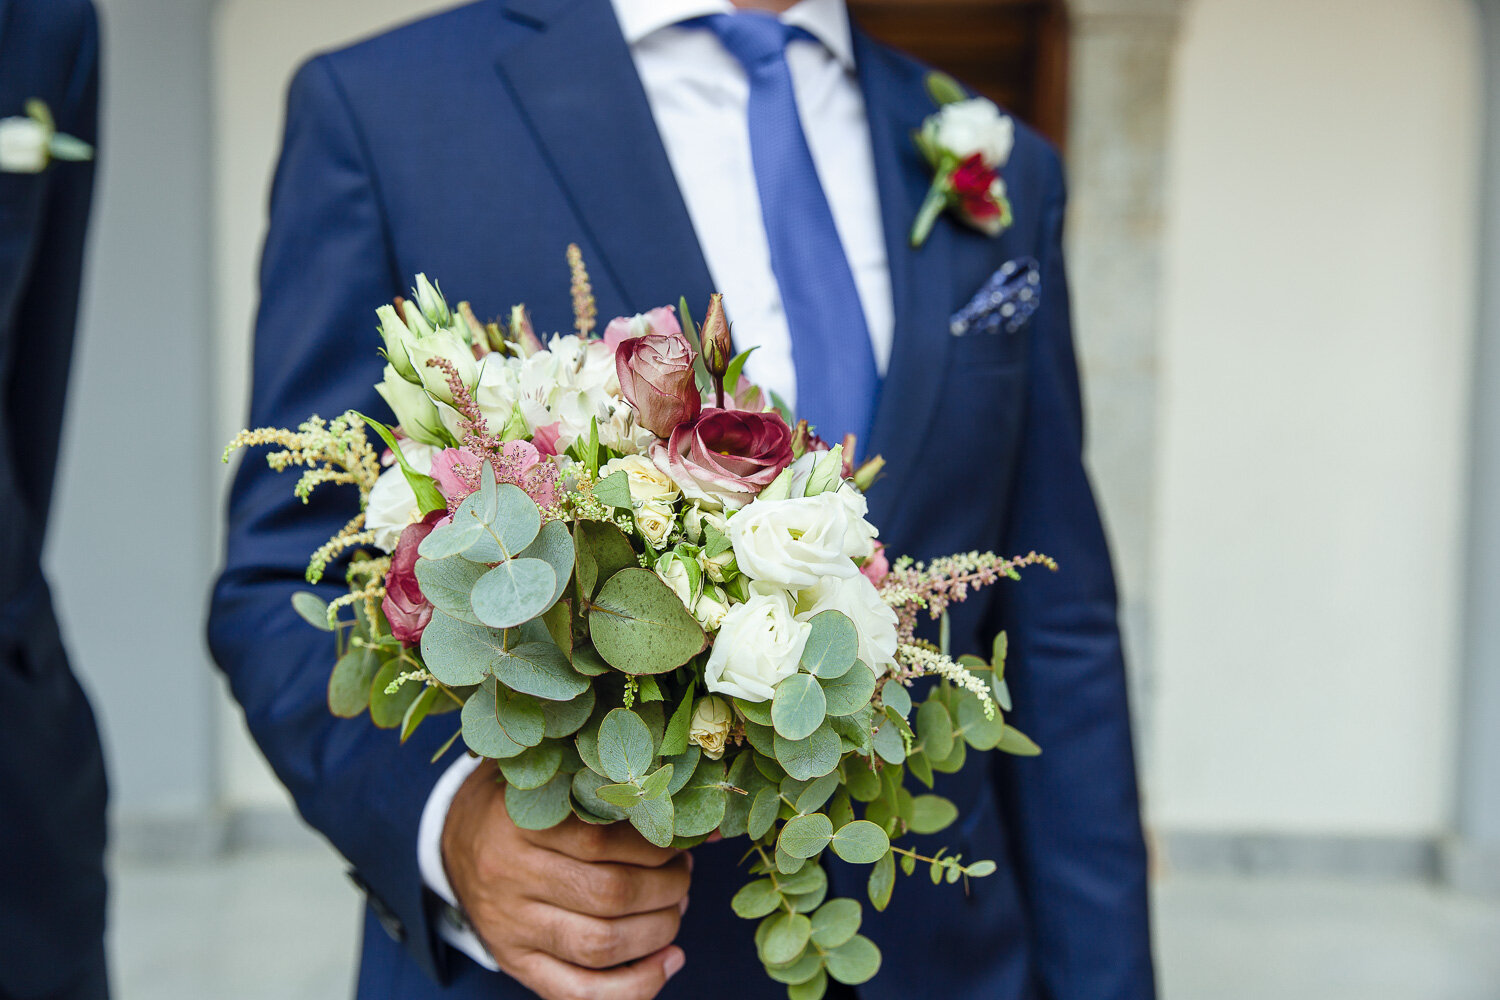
[(1285, 249)]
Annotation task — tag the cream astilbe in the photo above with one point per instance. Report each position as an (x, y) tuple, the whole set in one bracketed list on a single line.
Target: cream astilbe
[(922, 660), (585, 311), (338, 452)]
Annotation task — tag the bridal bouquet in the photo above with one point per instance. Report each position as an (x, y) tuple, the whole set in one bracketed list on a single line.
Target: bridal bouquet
[(652, 597)]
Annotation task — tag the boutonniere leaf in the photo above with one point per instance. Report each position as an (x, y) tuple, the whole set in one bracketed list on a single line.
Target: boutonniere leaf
[(29, 143), (966, 142)]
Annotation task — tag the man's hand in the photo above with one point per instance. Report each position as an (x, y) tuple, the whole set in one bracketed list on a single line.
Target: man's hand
[(574, 912)]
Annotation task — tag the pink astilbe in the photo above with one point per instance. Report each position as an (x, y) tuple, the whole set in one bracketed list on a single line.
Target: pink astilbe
[(910, 586)]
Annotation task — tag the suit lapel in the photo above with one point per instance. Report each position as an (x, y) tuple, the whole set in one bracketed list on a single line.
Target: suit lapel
[(921, 280), (578, 90), (4, 19)]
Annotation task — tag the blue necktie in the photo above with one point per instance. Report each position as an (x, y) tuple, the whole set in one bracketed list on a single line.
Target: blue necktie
[(836, 376)]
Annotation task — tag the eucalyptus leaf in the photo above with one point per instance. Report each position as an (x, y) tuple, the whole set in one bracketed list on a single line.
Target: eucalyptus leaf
[(312, 609), (932, 813), (625, 748), (586, 785), (564, 718), (862, 782), (935, 728), (1016, 742), (888, 743), (614, 491), (854, 962), (451, 539), (602, 550), (762, 813), (817, 793), (861, 843), (788, 935), (447, 583), (685, 767), (639, 625), (458, 653), (623, 795), (539, 808), (983, 732), (832, 645), (418, 710), (540, 669), (835, 922), (515, 591), (849, 692), (882, 881), (533, 768), (804, 968), (699, 807), (788, 864), (756, 900), (812, 757), (805, 836), (813, 989), (799, 707), (653, 818), (554, 546), (656, 783), (349, 684), (758, 712), (387, 710), (894, 695)]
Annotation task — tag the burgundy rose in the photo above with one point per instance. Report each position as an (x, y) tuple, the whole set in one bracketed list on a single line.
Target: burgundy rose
[(726, 456), (404, 606), (656, 376), (974, 183)]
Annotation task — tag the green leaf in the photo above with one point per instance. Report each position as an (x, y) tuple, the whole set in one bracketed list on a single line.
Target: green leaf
[(623, 795), (448, 582), (511, 524), (625, 748), (540, 669), (312, 608), (935, 728), (799, 707), (653, 818), (700, 805), (657, 781), (894, 695), (788, 865), (539, 808), (817, 793), (807, 902), (762, 813), (810, 879), (813, 989), (534, 768), (639, 625), (805, 836), (983, 732), (349, 684), (515, 591), (602, 551), (614, 491), (690, 331), (805, 967), (685, 768), (457, 653), (863, 783), (733, 372), (762, 738), (649, 689), (564, 718), (980, 869), (998, 655), (920, 766), (888, 743), (945, 90), (553, 546), (418, 710), (586, 786), (882, 881), (849, 692), (841, 809), (387, 710), (676, 739), (499, 724), (1016, 742), (932, 813), (758, 712), (861, 843), (810, 758), (832, 645), (854, 962), (788, 935), (756, 900), (429, 497), (451, 539), (587, 661), (955, 761), (835, 922)]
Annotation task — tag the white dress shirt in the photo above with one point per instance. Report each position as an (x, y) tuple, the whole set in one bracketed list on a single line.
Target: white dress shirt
[(698, 93)]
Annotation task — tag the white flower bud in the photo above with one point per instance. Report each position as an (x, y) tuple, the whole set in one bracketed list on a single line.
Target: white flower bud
[(449, 346), (709, 727), (430, 300), (25, 146), (415, 411), (654, 520), (396, 337)]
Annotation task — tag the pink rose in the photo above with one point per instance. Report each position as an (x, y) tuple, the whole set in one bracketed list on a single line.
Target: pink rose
[(662, 322), (726, 456), (877, 567), (656, 376), (407, 611)]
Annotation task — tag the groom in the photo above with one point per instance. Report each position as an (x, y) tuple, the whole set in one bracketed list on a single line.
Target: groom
[(659, 136)]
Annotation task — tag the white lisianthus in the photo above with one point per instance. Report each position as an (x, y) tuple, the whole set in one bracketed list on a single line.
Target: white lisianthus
[(25, 146), (711, 608), (709, 727), (759, 644), (647, 482), (393, 505), (415, 411), (975, 126), (856, 598), (798, 542), (655, 521), (449, 346)]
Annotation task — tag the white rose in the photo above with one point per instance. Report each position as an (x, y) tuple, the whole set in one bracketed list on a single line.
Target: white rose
[(415, 411), (857, 598), (759, 644), (393, 505), (25, 146), (647, 482), (796, 543), (976, 126), (709, 727), (655, 521), (711, 609), (720, 567)]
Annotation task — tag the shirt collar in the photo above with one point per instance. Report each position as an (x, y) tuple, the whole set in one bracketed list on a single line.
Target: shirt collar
[(825, 20)]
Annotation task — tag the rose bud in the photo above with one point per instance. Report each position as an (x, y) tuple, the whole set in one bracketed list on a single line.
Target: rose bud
[(726, 457), (718, 345), (405, 608), (656, 377)]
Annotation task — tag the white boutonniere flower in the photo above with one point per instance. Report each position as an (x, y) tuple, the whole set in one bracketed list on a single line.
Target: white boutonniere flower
[(966, 143), (29, 143)]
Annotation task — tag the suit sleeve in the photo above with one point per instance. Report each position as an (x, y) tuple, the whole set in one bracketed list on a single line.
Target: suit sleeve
[(1073, 812), (48, 310), (327, 265)]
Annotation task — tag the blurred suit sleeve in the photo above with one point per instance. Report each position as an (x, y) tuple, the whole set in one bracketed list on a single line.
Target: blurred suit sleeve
[(327, 265), (48, 311), (1073, 812)]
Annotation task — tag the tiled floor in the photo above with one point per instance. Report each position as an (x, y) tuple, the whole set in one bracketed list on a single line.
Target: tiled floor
[(282, 926)]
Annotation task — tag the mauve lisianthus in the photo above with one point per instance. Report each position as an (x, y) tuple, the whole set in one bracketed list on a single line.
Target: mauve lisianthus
[(726, 457), (656, 376), (662, 322), (407, 611)]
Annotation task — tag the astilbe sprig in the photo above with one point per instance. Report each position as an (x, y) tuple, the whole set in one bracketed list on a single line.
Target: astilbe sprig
[(585, 310)]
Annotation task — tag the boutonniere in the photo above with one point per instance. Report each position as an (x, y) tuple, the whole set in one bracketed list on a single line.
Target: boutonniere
[(29, 143), (966, 143)]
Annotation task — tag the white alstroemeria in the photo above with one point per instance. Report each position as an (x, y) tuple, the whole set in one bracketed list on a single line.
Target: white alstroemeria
[(647, 482), (759, 644), (709, 726), (572, 383), (393, 505), (25, 146), (856, 598), (797, 542), (415, 411), (498, 391), (974, 126)]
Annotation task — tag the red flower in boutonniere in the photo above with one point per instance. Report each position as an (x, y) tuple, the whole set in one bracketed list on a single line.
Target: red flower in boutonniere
[(966, 143)]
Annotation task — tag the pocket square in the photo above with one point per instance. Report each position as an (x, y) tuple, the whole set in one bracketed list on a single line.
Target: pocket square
[(1007, 300)]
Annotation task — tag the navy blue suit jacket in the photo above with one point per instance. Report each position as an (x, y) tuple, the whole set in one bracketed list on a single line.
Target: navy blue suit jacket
[(52, 787), (474, 146)]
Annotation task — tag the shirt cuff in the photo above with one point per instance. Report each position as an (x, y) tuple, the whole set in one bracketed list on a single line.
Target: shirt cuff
[(454, 927)]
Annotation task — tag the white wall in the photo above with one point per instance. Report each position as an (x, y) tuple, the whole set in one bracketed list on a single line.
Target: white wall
[(254, 57), (1319, 307)]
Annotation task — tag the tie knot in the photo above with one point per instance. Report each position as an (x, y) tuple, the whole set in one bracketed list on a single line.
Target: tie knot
[(752, 37)]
